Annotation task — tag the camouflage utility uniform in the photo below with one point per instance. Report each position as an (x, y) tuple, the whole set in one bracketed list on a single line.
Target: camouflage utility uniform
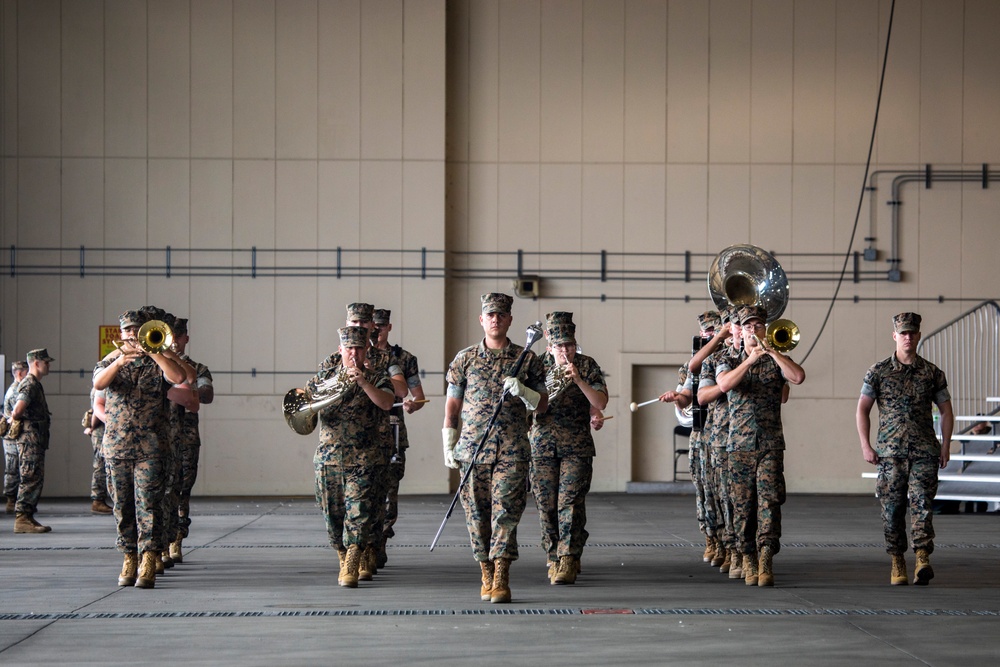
[(190, 452), (32, 443), (908, 449), (562, 461), (698, 460), (12, 465), (756, 452), (99, 472), (496, 493), (135, 450), (407, 365), (716, 433), (351, 451)]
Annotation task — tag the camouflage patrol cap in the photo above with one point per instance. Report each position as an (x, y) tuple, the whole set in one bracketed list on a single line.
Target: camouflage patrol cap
[(169, 320), (733, 315), (381, 316), (40, 354), (18, 365), (131, 318), (353, 336), (558, 317), (180, 326), (496, 302), (906, 322), (360, 312), (562, 334), (709, 320), (152, 313), (748, 313)]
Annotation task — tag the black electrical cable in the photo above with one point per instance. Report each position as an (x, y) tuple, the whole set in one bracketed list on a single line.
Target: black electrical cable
[(861, 198)]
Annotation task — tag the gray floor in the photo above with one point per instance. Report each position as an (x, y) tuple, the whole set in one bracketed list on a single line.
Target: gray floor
[(258, 586)]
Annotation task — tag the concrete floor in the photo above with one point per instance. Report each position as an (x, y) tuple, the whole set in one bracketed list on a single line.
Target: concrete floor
[(258, 587)]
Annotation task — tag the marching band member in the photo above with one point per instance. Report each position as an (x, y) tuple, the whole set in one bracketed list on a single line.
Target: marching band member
[(562, 447), (756, 387), (351, 448)]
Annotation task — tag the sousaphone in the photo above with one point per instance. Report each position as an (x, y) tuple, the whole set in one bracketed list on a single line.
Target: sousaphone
[(745, 275)]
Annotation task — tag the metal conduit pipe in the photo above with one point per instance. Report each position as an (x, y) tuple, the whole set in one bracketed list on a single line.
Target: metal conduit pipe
[(928, 176)]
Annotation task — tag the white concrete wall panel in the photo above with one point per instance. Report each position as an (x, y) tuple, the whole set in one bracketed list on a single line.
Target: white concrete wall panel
[(645, 81), (82, 79), (126, 85), (730, 52), (424, 80), (169, 206), (771, 225), (10, 77), (814, 90), (38, 77), (771, 76), (941, 94), (212, 79), (899, 126), (858, 60), (687, 80), (484, 81), (169, 68), (381, 80), (254, 73), (296, 85), (339, 73), (603, 80), (519, 80), (981, 95), (561, 63)]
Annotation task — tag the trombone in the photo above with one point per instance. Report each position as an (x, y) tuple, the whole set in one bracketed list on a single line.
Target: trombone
[(154, 337)]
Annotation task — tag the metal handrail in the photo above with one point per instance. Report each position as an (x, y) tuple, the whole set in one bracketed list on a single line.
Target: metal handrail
[(967, 349)]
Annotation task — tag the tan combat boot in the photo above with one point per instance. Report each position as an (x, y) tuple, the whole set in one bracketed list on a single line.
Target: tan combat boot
[(100, 507), (130, 569), (553, 570), (720, 555), (165, 558), (349, 573), (727, 562), (147, 570), (25, 523), (898, 576), (486, 590), (11, 504), (342, 560), (158, 563), (501, 581), (709, 550), (176, 550), (750, 569), (366, 567), (566, 573), (736, 566), (923, 572), (765, 575)]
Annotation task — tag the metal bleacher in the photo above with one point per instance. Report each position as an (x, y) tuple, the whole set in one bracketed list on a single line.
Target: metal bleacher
[(967, 349)]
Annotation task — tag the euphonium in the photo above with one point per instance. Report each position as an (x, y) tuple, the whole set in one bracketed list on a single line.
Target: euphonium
[(302, 409), (556, 381)]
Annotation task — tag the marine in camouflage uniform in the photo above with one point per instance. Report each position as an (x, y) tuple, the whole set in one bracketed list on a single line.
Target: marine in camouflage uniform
[(135, 385), (351, 448), (32, 411), (756, 388), (907, 453), (362, 315), (190, 440), (562, 448), (406, 365), (99, 494), (496, 492), (12, 465), (716, 429)]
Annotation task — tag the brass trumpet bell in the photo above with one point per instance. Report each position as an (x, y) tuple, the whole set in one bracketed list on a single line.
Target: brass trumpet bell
[(782, 335), (154, 336)]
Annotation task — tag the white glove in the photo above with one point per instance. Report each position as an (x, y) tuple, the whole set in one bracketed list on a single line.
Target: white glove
[(450, 438), (528, 396)]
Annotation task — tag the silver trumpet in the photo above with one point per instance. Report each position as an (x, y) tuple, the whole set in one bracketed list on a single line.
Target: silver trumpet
[(301, 409)]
